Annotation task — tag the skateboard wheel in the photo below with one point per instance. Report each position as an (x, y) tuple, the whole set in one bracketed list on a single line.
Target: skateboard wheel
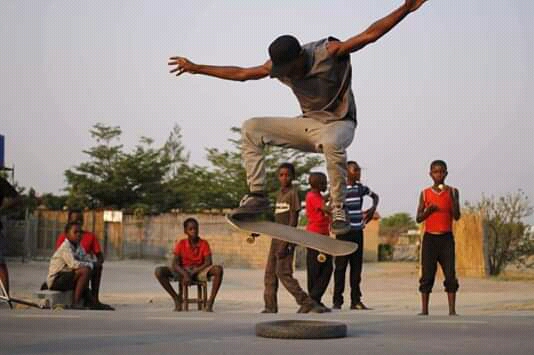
[(301, 329), (251, 239), (321, 257)]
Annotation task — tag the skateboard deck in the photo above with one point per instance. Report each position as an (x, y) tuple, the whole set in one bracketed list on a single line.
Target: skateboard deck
[(319, 242)]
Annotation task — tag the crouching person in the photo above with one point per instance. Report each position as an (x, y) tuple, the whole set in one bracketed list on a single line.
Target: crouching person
[(192, 262), (70, 268)]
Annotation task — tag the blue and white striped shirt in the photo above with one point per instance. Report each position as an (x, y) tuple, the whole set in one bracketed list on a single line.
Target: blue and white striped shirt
[(354, 203)]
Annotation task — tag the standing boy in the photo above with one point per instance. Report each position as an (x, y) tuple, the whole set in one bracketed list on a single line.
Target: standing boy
[(280, 260), (356, 191), (319, 273), (438, 206), (319, 74), (192, 261)]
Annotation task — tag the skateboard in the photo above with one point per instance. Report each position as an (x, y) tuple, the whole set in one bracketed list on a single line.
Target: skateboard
[(322, 243)]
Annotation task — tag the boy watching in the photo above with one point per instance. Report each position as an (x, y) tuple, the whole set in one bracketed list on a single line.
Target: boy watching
[(70, 268), (356, 191), (280, 260), (438, 206), (319, 273), (192, 261)]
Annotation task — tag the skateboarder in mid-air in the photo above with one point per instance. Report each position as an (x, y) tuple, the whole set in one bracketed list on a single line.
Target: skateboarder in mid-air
[(319, 73)]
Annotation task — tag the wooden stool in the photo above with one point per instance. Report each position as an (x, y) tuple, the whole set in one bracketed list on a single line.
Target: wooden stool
[(202, 295)]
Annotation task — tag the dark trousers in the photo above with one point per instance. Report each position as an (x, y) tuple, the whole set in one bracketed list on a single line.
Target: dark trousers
[(280, 267), (355, 261), (438, 248), (319, 274)]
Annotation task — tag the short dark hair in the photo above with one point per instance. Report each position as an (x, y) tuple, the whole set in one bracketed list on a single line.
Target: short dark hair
[(352, 162), (438, 162), (290, 167), (69, 226), (73, 211), (190, 220)]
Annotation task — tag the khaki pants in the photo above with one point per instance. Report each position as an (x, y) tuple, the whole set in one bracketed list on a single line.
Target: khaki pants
[(280, 267), (302, 133)]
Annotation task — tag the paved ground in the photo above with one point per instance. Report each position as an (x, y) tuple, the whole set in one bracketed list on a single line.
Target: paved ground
[(496, 317)]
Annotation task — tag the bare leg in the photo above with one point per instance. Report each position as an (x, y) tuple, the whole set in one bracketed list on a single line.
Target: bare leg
[(96, 276), (217, 273), (451, 297), (81, 282), (4, 276), (163, 274), (425, 296)]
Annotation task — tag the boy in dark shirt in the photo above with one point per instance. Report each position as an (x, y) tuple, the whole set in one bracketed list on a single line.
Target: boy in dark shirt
[(280, 260)]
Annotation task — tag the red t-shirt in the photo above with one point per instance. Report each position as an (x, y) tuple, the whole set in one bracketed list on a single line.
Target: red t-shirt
[(440, 221), (192, 256), (318, 221), (88, 242)]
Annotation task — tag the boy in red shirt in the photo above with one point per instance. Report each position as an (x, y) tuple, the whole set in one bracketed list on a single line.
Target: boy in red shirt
[(192, 261), (438, 206), (319, 273)]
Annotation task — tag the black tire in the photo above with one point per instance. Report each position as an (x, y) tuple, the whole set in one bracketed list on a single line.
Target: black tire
[(301, 329)]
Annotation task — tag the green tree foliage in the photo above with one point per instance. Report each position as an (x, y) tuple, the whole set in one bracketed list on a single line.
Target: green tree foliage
[(397, 224), (508, 241), (113, 178)]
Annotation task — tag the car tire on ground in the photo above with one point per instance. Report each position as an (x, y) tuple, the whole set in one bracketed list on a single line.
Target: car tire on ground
[(301, 329)]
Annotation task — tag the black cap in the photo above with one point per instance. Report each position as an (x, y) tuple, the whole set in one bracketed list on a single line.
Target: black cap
[(283, 51)]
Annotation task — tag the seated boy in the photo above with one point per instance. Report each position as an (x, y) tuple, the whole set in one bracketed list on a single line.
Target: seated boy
[(191, 262), (70, 268)]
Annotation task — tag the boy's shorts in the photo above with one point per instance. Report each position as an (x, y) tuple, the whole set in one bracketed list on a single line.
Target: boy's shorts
[(64, 281), (201, 276)]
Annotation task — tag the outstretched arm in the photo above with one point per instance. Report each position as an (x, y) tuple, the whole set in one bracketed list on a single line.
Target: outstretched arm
[(375, 31), (184, 65)]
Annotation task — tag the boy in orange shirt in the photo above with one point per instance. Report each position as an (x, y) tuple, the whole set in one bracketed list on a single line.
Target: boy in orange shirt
[(438, 206)]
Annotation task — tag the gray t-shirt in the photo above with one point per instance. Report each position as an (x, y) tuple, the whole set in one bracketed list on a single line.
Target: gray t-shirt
[(285, 203), (325, 92)]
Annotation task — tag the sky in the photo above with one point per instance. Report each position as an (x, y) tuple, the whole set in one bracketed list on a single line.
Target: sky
[(452, 81)]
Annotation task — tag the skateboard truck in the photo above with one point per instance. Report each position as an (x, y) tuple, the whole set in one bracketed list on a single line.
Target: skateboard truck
[(251, 239)]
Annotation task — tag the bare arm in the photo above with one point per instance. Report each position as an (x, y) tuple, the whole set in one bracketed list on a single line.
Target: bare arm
[(455, 196), (424, 211), (183, 65), (375, 31), (207, 262), (371, 211)]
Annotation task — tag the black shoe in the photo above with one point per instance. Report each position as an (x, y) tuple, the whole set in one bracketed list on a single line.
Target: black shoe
[(359, 306), (310, 306), (250, 205), (325, 308), (102, 307), (340, 222), (336, 306), (267, 310)]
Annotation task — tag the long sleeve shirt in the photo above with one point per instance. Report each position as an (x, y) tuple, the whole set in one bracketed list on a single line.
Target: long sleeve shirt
[(67, 257)]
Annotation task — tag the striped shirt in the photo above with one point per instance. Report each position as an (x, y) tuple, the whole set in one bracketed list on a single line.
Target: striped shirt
[(354, 203)]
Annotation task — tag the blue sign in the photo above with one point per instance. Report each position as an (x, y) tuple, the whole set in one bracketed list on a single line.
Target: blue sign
[(2, 158)]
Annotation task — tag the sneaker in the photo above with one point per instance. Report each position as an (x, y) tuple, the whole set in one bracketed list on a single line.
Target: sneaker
[(359, 306), (325, 308), (268, 310), (336, 306), (252, 204), (340, 222)]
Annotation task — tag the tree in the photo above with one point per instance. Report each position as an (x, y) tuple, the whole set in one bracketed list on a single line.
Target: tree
[(397, 224), (508, 241), (113, 178)]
